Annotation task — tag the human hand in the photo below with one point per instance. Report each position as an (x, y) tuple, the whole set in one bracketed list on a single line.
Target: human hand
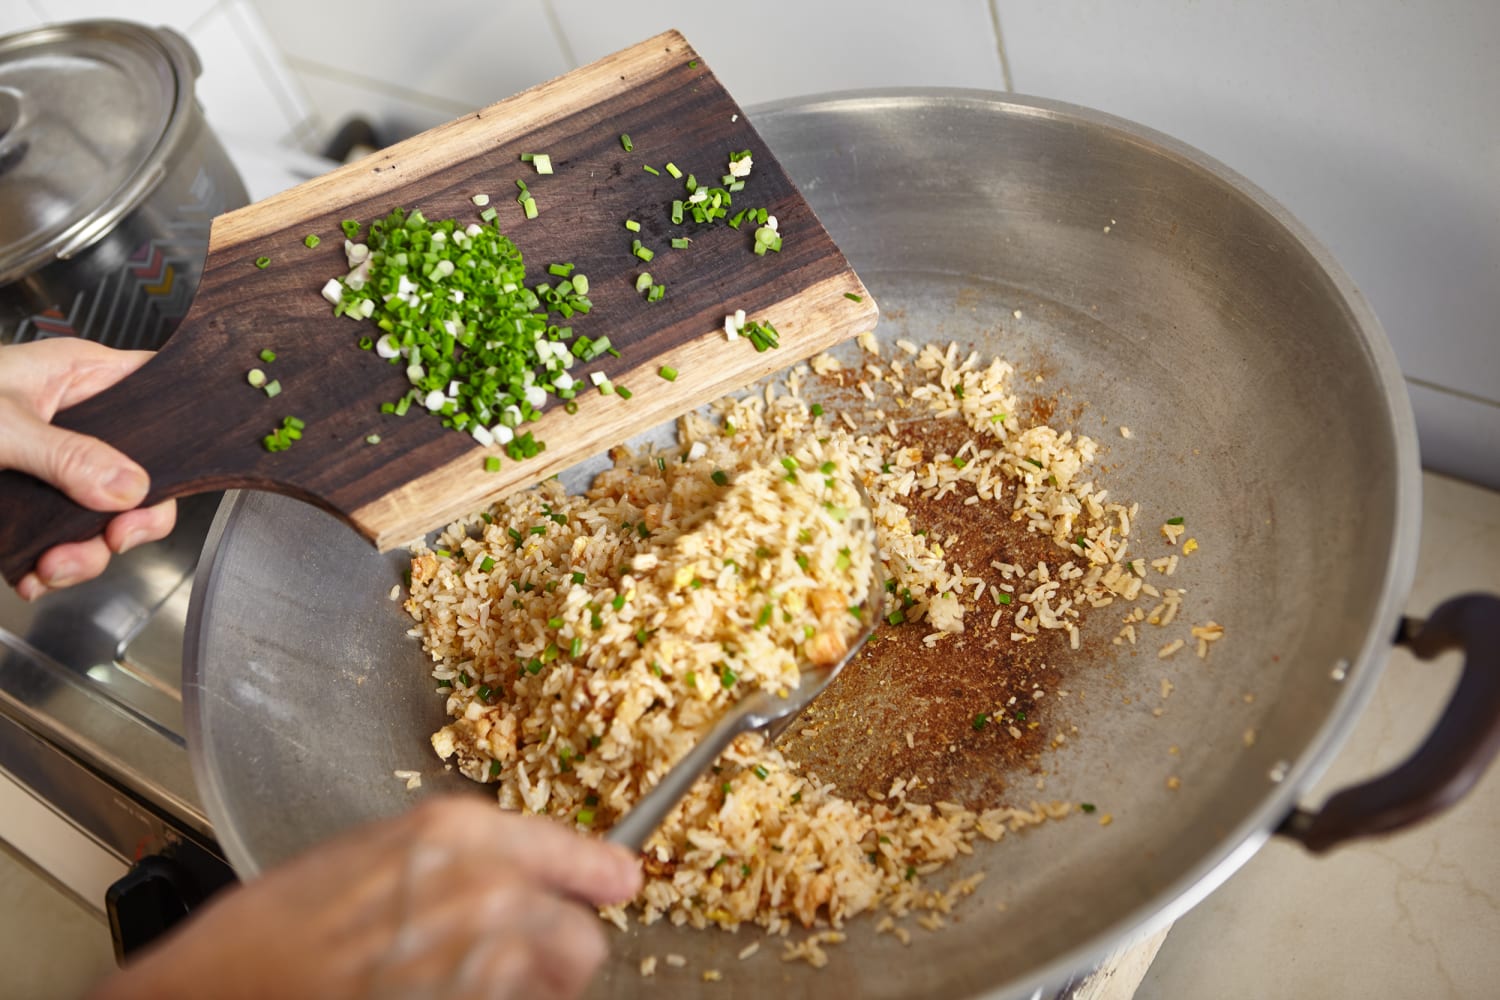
[(36, 380), (454, 899)]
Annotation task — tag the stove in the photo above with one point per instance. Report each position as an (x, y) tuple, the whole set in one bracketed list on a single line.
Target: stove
[(95, 786)]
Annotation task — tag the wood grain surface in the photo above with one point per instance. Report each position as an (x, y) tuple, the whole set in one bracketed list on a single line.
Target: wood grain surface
[(192, 420)]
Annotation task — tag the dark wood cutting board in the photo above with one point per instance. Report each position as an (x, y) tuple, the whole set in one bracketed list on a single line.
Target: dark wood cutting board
[(192, 420)]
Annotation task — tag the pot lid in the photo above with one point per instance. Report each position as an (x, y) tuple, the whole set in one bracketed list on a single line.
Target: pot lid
[(89, 114)]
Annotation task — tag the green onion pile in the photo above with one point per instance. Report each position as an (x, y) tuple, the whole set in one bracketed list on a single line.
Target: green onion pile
[(480, 348)]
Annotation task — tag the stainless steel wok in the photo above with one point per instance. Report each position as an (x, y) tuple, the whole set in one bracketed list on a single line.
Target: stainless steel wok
[(1135, 275)]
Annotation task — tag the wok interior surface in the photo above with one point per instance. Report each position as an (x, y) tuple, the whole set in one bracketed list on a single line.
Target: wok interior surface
[(1154, 291)]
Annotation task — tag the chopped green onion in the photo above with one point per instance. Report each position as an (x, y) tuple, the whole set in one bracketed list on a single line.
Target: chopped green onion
[(625, 141), (492, 463), (262, 262), (852, 297), (896, 617), (816, 409), (668, 372), (542, 162), (764, 618), (980, 720), (1174, 520), (632, 225), (1004, 598), (727, 677), (267, 355), (256, 378), (760, 772), (720, 477), (1087, 807), (311, 240), (672, 169), (643, 281), (273, 388), (650, 169), (350, 228), (623, 392), (486, 564), (372, 439), (579, 577), (575, 648)]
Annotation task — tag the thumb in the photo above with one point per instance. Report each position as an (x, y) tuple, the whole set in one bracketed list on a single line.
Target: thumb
[(89, 471)]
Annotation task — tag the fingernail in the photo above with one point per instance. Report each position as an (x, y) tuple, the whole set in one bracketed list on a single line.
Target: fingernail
[(30, 588), (64, 574), (127, 485), (133, 537)]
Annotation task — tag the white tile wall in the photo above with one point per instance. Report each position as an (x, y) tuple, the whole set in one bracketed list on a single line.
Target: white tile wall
[(408, 66), (1374, 123), (786, 48)]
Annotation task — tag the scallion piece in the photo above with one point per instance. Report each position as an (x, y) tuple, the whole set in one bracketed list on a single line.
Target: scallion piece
[(623, 392), (668, 372), (852, 297), (268, 355), (625, 141), (273, 388), (672, 169), (372, 439), (311, 240), (542, 162), (492, 463), (632, 225), (256, 378), (262, 262), (760, 772), (643, 281), (1174, 520), (650, 169)]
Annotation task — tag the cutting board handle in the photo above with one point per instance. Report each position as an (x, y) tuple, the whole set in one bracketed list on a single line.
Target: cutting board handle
[(137, 416)]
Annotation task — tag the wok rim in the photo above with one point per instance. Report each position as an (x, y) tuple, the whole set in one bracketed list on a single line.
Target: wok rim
[(1241, 842)]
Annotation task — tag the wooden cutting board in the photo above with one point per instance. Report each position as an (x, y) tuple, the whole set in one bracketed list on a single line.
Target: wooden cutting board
[(192, 420)]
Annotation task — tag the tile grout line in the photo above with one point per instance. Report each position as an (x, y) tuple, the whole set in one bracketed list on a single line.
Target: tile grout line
[(1005, 80), (268, 73), (431, 102), (562, 36), (1450, 391), (190, 29)]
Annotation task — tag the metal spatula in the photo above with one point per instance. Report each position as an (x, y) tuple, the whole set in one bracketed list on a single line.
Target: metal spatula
[(760, 709)]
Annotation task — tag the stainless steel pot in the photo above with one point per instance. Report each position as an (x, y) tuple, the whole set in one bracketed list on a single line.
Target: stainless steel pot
[(109, 179), (1135, 275)]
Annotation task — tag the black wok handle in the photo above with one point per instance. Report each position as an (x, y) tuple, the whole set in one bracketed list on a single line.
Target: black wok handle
[(1454, 755)]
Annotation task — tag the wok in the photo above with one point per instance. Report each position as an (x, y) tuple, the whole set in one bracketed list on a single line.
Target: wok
[(1136, 276)]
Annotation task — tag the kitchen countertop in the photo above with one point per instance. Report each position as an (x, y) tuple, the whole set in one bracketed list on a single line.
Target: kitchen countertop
[(1416, 914)]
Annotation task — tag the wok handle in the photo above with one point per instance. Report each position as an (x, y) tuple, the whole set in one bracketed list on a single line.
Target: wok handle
[(1454, 755)]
